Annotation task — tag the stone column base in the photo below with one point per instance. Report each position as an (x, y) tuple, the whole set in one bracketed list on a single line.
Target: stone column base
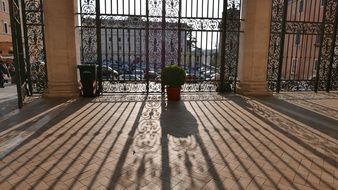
[(62, 90), (253, 89)]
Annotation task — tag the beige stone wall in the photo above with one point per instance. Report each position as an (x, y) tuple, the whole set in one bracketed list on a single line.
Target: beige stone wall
[(61, 46), (254, 45)]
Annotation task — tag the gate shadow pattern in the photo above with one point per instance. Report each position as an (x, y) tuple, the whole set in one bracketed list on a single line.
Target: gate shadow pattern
[(207, 141)]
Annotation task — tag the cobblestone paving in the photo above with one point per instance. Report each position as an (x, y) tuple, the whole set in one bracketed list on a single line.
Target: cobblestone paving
[(204, 141), (8, 99)]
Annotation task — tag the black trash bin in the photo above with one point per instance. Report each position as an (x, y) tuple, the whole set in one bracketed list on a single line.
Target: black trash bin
[(88, 75)]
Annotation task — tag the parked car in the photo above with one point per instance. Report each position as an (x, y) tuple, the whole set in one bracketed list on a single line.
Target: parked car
[(208, 73), (194, 76), (158, 79), (108, 73), (191, 78), (215, 76), (138, 72), (107, 62), (120, 67), (207, 68), (151, 75), (128, 77)]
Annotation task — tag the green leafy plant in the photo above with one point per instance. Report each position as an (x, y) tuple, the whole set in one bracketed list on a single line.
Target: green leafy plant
[(173, 76)]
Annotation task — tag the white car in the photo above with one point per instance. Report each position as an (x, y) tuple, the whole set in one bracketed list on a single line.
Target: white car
[(128, 77)]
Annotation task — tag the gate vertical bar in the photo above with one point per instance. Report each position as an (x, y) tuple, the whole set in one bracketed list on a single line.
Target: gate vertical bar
[(179, 33), (27, 57), (98, 44), (329, 74), (147, 45), (17, 45), (43, 41), (34, 46), (282, 42), (81, 32), (237, 51), (322, 33), (223, 38), (163, 41)]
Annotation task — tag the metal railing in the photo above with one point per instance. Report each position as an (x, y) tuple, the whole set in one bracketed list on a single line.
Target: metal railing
[(303, 46), (132, 40)]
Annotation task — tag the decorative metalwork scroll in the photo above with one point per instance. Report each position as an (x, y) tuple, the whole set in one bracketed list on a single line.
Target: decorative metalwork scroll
[(334, 68), (232, 43), (138, 39), (88, 31), (35, 44), (327, 45), (302, 46), (277, 19)]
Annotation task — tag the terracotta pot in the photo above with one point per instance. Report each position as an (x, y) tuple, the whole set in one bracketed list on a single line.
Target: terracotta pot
[(174, 93)]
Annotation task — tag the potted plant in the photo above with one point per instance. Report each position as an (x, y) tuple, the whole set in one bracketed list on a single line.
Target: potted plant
[(173, 77)]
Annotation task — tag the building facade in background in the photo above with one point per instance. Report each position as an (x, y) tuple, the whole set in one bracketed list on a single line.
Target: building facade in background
[(6, 48), (302, 45), (126, 41)]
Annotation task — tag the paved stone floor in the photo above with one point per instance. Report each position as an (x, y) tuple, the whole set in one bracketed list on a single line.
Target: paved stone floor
[(8, 99), (205, 141)]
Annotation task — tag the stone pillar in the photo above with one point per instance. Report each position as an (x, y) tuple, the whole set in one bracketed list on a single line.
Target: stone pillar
[(253, 50), (61, 48)]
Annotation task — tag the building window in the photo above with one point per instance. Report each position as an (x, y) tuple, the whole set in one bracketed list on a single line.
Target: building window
[(301, 6), (119, 39), (6, 28), (120, 48), (4, 6), (294, 66), (110, 39), (322, 2), (298, 38), (315, 65), (318, 38)]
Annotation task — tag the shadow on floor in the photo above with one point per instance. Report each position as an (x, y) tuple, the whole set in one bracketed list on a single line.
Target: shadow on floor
[(323, 124), (271, 111), (144, 141)]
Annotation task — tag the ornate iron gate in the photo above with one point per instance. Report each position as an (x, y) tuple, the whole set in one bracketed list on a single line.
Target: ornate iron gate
[(18, 50), (303, 45), (132, 40), (28, 47), (33, 25)]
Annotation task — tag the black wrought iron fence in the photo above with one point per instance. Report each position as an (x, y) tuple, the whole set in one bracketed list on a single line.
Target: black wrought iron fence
[(132, 40), (303, 45), (35, 50), (27, 27), (27, 16)]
